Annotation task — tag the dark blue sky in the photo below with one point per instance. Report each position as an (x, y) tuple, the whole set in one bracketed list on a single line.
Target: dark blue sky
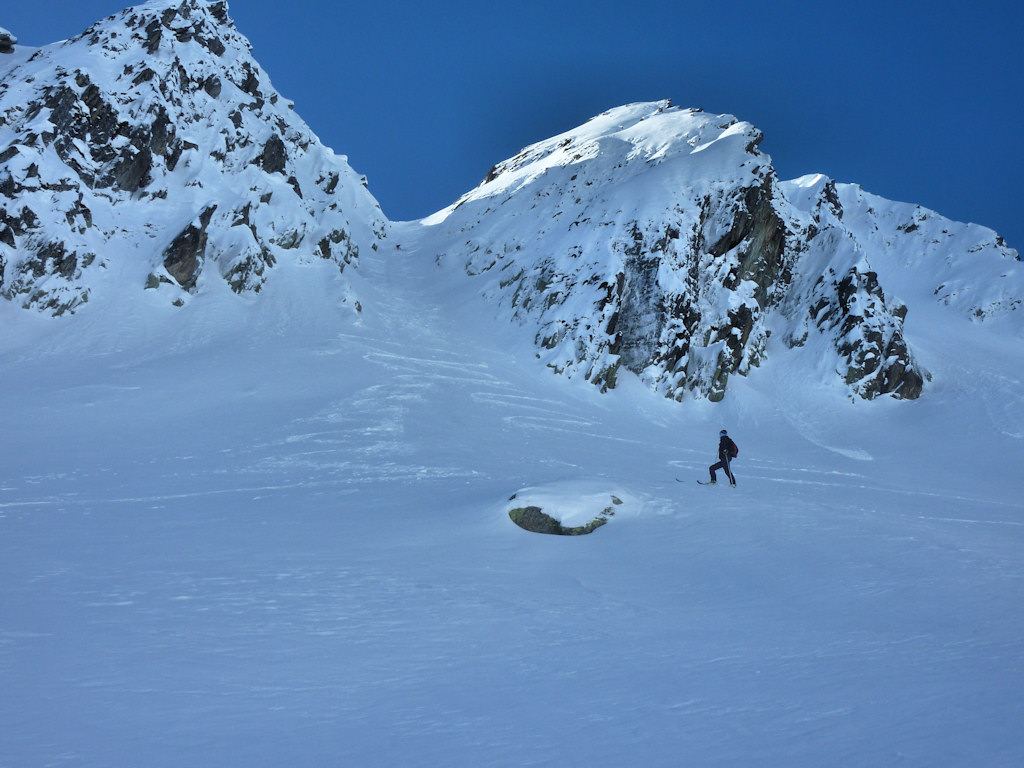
[(916, 101)]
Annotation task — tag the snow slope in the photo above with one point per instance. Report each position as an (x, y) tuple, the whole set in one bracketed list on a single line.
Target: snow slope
[(225, 547)]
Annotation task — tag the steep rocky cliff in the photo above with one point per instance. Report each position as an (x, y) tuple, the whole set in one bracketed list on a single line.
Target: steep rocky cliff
[(153, 143), (866, 262)]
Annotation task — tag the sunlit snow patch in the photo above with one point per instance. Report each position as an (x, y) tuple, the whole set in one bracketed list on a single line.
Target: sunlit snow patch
[(570, 508)]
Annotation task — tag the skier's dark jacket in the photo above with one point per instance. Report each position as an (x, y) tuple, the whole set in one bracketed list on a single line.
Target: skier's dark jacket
[(725, 448)]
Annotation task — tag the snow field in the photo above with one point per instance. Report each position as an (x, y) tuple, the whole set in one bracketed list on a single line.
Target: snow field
[(223, 546)]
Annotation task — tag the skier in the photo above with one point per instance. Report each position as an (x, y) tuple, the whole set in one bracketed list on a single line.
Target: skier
[(726, 452)]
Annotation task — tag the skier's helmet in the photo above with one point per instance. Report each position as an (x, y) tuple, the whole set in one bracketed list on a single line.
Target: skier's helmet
[(723, 433)]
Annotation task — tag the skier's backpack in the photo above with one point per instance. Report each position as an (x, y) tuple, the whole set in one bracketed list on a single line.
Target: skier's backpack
[(735, 449)]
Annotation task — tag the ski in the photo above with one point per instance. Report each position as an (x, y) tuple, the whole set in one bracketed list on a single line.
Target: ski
[(700, 482)]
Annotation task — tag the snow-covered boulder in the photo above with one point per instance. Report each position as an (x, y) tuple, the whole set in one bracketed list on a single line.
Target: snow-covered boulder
[(154, 146), (571, 508)]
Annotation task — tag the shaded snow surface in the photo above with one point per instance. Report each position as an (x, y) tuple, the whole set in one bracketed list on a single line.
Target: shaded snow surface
[(262, 533)]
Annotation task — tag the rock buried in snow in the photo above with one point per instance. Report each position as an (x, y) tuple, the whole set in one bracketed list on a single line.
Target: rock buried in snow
[(536, 520), (567, 509)]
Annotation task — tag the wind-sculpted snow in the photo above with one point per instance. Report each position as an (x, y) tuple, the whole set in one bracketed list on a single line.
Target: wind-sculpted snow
[(659, 241), (154, 148)]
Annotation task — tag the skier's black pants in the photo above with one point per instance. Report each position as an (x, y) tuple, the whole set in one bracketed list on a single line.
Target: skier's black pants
[(723, 464)]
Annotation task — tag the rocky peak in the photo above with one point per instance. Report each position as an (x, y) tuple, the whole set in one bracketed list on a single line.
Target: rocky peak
[(646, 240), (660, 241), (160, 114)]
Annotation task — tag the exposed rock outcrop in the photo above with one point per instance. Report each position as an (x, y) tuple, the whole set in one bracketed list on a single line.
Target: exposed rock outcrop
[(535, 520), (574, 510), (7, 41), (185, 253)]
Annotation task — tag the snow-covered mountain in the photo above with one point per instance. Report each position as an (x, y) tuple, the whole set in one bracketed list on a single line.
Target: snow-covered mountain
[(660, 241), (152, 152), (260, 530)]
